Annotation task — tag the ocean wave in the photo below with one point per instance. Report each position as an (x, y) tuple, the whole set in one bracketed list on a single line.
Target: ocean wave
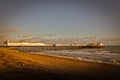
[(88, 55)]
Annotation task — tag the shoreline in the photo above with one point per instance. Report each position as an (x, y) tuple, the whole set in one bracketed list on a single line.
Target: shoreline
[(20, 65), (64, 57)]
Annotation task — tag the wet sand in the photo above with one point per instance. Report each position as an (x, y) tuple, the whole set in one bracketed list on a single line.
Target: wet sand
[(15, 65)]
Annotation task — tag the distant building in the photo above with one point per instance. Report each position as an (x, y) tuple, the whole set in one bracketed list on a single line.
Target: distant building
[(100, 44), (96, 44)]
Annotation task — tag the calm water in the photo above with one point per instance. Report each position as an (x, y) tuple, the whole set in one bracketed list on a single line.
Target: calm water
[(110, 54)]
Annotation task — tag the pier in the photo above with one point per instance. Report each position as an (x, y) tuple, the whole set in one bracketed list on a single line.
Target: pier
[(44, 48), (36, 47)]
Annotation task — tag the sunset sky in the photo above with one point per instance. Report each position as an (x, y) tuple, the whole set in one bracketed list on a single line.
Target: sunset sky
[(54, 19)]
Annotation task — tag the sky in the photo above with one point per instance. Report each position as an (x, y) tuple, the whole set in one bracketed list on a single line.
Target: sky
[(25, 20)]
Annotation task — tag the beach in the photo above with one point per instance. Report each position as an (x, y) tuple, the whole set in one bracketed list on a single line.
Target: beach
[(16, 65)]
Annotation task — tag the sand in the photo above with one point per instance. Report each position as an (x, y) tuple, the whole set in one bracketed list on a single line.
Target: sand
[(15, 65)]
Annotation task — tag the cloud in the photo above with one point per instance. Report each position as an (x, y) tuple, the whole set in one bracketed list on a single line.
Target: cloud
[(84, 40), (111, 41), (31, 39), (9, 30), (2, 35), (26, 35), (49, 35), (6, 32), (14, 29)]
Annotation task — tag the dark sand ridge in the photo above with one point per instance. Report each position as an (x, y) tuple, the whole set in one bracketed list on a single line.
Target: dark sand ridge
[(15, 65)]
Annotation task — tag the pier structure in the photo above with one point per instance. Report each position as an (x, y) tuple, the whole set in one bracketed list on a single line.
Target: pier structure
[(36, 47), (8, 43)]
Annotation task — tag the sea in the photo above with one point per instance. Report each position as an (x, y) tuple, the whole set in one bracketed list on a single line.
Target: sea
[(108, 54)]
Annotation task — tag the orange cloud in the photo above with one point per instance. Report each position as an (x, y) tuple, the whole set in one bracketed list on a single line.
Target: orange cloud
[(9, 30), (5, 32)]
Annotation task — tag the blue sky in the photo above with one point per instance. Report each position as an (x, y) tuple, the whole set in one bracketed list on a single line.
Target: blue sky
[(62, 18)]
